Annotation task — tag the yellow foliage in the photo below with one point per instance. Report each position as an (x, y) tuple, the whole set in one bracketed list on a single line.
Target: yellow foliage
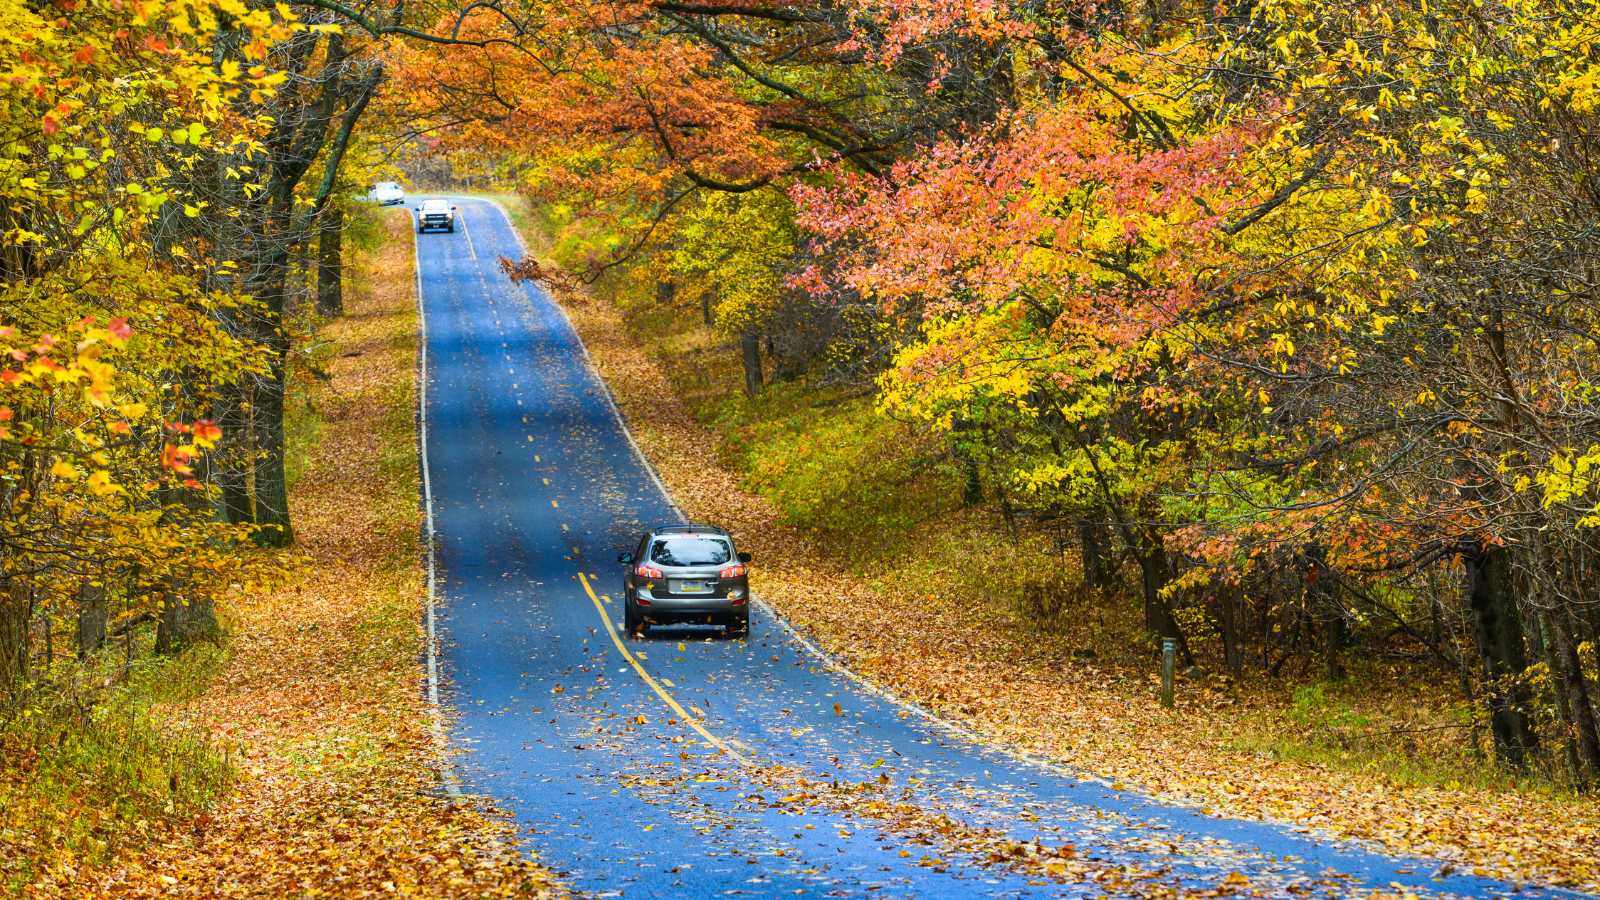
[(736, 246)]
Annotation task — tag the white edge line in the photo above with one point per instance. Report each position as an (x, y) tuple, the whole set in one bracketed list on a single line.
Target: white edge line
[(452, 781), (467, 233), (837, 665)]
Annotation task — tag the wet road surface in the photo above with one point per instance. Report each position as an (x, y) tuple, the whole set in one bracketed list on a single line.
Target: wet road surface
[(690, 764)]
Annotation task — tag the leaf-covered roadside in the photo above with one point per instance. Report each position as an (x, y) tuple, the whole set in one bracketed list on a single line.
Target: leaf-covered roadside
[(320, 703), (932, 650)]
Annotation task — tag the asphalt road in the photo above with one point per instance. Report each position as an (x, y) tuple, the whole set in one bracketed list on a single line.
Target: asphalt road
[(689, 764)]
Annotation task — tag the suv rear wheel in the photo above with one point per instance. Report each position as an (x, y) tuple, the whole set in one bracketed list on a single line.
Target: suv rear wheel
[(633, 624), (738, 626)]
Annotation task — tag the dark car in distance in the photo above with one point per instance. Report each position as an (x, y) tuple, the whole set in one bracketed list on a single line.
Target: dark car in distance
[(685, 573), (436, 215)]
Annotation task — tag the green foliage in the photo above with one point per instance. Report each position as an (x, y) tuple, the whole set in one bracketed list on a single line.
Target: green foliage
[(1311, 706), (837, 467), (91, 766), (363, 229), (1349, 726), (302, 426), (577, 241)]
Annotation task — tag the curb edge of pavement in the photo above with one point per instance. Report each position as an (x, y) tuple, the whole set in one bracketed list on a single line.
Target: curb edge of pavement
[(449, 775)]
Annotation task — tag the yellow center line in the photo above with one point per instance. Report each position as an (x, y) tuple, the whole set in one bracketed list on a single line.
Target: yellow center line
[(661, 692)]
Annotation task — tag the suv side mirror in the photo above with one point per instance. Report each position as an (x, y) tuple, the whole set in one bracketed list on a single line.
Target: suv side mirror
[(745, 557), (624, 558), (452, 209)]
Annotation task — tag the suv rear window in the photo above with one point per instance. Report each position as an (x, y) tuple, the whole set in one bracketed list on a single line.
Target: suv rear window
[(690, 551)]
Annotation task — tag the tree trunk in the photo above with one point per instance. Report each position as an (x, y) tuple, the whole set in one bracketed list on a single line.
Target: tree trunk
[(227, 467), (750, 343), (271, 478), (270, 486), (1096, 545), (1567, 670), (1228, 630), (183, 622), (15, 611), (1158, 618), (1502, 649), (972, 488), (1326, 611), (92, 615), (330, 261), (1008, 514)]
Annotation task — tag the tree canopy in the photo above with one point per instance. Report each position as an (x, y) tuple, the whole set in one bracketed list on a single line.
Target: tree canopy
[(1291, 302)]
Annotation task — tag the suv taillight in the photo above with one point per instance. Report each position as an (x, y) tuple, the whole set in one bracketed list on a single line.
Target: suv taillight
[(648, 572), (733, 571)]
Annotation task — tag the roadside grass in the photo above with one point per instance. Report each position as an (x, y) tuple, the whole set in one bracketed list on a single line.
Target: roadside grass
[(302, 429), (88, 766), (1354, 724), (861, 483), (1263, 735)]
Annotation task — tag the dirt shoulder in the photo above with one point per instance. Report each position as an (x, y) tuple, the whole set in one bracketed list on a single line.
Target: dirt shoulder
[(320, 703), (1097, 718)]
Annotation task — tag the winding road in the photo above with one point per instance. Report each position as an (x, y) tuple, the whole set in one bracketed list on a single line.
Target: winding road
[(692, 765)]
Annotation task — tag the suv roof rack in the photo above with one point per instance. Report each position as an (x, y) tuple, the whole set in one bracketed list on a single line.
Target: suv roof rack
[(691, 528)]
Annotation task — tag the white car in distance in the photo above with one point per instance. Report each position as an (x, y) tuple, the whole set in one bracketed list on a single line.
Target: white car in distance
[(387, 193)]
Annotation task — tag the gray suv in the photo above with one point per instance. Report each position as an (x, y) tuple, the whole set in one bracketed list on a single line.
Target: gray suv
[(685, 573)]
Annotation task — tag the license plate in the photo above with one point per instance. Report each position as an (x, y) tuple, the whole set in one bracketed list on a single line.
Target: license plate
[(691, 587)]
